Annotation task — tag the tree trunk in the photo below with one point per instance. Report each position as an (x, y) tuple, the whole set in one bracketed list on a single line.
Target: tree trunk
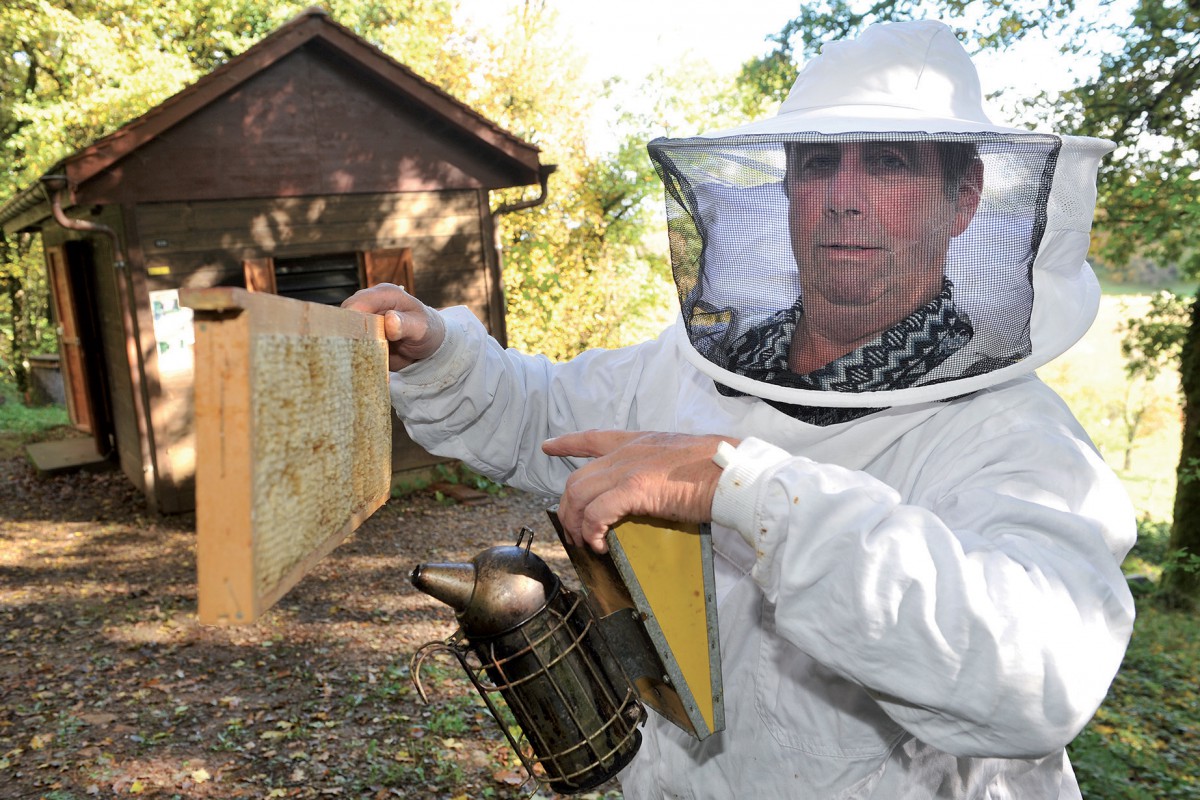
[(18, 347), (1181, 587)]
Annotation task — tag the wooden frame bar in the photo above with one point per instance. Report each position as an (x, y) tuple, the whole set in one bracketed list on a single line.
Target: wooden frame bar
[(293, 441)]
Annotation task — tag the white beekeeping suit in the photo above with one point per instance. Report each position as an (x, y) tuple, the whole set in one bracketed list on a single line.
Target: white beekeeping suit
[(917, 547)]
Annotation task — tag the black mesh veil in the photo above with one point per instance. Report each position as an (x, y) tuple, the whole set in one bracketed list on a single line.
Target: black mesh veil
[(856, 262)]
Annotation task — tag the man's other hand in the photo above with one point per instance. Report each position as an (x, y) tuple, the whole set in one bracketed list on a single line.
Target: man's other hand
[(666, 475), (414, 330)]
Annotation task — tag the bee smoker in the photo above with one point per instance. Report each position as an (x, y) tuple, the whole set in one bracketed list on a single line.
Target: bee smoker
[(525, 636)]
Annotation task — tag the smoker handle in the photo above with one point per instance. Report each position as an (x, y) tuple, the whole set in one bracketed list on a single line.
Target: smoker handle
[(453, 645)]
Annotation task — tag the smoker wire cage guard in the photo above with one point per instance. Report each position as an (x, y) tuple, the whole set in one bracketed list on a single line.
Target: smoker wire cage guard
[(577, 714)]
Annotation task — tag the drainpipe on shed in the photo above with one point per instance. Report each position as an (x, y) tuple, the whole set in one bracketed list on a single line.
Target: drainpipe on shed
[(54, 186), (544, 173)]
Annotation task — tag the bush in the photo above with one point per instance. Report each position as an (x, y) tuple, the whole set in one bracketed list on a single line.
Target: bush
[(1150, 552)]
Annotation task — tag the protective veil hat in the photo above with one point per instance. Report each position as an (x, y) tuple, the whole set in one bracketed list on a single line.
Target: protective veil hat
[(880, 181), (904, 76)]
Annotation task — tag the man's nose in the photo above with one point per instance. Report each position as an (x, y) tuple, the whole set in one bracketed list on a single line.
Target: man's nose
[(845, 193)]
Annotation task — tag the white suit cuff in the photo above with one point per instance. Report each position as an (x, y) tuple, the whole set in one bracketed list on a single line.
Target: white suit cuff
[(736, 499), (452, 357)]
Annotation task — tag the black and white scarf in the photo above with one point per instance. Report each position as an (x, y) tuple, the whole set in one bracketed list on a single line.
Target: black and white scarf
[(896, 359)]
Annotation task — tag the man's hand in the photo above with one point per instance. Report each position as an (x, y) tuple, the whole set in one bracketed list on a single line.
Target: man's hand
[(666, 475), (414, 330)]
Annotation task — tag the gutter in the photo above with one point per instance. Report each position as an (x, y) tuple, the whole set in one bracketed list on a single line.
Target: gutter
[(54, 186), (26, 200)]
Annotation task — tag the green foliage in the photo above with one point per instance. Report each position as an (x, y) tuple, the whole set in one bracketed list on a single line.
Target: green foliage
[(1155, 339), (1189, 470), (1144, 741), (576, 272), (459, 473), (1144, 98), (25, 321), (1150, 551)]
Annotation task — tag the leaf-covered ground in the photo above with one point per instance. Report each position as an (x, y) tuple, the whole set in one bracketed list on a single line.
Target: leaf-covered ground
[(109, 687)]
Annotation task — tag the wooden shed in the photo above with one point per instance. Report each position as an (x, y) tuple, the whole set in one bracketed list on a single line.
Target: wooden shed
[(311, 165)]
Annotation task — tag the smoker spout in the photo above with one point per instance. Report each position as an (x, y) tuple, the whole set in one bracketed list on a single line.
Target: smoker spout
[(453, 584)]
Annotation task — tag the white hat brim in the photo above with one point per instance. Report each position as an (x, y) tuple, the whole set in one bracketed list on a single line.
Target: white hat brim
[(865, 119)]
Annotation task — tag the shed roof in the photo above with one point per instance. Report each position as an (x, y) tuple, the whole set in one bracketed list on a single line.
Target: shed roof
[(311, 28)]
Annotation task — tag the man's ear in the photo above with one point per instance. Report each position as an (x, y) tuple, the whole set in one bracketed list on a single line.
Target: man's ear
[(967, 200)]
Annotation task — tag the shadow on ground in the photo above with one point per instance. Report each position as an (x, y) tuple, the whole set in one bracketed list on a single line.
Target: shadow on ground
[(111, 688)]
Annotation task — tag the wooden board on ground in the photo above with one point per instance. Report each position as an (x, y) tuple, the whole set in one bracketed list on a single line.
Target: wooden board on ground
[(293, 441)]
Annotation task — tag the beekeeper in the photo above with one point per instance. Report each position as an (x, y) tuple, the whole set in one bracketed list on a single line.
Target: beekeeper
[(917, 548)]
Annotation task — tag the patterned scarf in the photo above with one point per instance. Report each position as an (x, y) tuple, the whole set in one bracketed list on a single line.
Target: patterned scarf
[(896, 359)]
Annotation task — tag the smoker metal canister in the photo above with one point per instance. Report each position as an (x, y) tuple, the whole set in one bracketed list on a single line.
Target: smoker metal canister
[(524, 635)]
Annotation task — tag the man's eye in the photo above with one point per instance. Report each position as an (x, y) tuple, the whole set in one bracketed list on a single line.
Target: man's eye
[(818, 165), (888, 161)]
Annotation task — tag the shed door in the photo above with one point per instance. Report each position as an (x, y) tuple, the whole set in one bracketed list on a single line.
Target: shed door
[(80, 352), (70, 347)]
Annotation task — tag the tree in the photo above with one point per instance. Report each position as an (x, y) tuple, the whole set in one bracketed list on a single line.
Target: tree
[(1143, 93), (576, 272), (66, 79), (73, 72)]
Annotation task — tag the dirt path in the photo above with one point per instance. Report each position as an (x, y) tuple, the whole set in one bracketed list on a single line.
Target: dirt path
[(110, 688)]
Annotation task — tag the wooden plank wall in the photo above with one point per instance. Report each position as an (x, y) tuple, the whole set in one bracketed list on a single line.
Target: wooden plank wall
[(204, 243), (310, 125)]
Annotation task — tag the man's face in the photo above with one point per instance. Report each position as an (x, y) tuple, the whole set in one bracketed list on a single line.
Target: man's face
[(870, 225)]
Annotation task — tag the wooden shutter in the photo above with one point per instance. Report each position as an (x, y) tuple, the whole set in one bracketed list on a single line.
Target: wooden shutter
[(260, 275), (394, 265)]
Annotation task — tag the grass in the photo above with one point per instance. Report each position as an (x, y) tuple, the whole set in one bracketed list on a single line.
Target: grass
[(1180, 287), (20, 424), (16, 417), (1143, 742)]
